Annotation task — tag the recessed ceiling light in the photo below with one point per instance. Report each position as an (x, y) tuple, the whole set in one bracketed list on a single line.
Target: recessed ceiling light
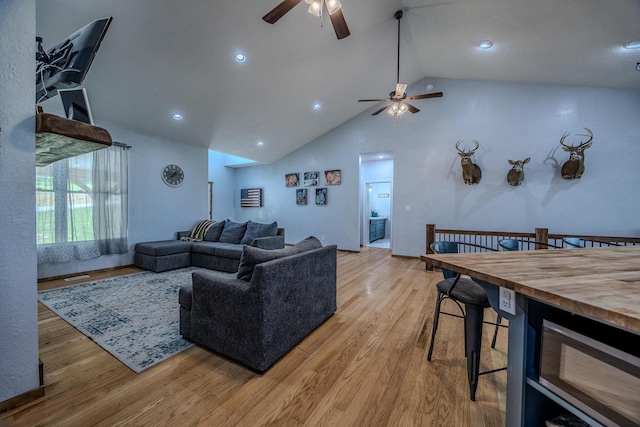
[(632, 45), (381, 156), (177, 116), (260, 143), (317, 106), (240, 57), (485, 44)]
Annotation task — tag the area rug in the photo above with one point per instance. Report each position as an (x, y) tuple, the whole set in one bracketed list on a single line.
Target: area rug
[(136, 318)]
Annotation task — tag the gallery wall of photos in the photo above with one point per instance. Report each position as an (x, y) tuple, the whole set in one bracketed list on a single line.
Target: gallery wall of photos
[(318, 183)]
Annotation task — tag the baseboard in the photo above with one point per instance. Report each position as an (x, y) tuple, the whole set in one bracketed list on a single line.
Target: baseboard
[(102, 270), (22, 399)]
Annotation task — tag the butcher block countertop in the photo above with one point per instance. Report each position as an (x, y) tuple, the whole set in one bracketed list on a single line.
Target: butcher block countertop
[(600, 283)]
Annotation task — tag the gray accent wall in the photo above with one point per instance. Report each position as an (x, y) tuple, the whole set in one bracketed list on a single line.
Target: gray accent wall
[(18, 303), (510, 121)]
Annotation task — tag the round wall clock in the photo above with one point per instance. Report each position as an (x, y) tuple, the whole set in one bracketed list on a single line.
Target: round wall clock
[(172, 175)]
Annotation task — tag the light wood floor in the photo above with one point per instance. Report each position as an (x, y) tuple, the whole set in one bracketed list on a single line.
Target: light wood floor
[(366, 366)]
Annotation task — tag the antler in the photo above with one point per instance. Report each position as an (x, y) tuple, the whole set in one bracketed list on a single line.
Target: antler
[(582, 144), (477, 146), (470, 152), (590, 135)]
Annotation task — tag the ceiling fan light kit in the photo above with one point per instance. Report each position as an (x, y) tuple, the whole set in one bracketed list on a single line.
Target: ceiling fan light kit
[(398, 98), (334, 8)]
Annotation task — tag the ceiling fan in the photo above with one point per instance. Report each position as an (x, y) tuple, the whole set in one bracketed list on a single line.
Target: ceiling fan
[(316, 7), (399, 105)]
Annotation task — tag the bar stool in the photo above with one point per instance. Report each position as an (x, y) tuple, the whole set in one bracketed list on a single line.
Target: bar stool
[(464, 291)]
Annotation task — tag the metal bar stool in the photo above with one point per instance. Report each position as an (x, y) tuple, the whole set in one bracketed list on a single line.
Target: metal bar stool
[(464, 291)]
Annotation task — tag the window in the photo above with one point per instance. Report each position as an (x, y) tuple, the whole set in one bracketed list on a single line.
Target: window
[(64, 202), (81, 206)]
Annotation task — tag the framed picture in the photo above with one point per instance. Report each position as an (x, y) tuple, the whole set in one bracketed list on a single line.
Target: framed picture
[(321, 196), (301, 196), (311, 178), (333, 177), (251, 198), (292, 179)]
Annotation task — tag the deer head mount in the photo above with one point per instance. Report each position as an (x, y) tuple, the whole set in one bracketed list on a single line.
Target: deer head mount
[(574, 167), (471, 172), (516, 173)]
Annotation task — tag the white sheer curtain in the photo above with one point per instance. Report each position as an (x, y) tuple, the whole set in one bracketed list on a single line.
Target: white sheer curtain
[(81, 206), (110, 199)]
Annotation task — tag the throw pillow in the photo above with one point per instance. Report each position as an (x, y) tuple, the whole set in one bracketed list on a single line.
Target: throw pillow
[(198, 232), (233, 232), (252, 256), (213, 235), (255, 230), (308, 244)]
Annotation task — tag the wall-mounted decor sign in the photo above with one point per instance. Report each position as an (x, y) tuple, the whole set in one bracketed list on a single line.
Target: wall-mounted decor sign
[(251, 198), (311, 178), (333, 177), (301, 196), (292, 179)]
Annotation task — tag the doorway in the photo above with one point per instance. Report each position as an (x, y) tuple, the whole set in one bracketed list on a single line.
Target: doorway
[(376, 199), (378, 214)]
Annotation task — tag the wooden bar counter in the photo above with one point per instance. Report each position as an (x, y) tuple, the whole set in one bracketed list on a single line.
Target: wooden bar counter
[(600, 285)]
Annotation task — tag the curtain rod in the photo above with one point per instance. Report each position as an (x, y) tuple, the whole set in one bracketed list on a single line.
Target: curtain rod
[(120, 144)]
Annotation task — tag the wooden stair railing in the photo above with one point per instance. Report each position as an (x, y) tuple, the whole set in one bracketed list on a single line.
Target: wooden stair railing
[(540, 239)]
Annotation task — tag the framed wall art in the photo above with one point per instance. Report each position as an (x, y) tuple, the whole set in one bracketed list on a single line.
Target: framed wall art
[(301, 196), (321, 196), (251, 198), (292, 179), (311, 178), (333, 177)]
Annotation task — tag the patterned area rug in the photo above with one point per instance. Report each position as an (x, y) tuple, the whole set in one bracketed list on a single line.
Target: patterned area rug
[(136, 318)]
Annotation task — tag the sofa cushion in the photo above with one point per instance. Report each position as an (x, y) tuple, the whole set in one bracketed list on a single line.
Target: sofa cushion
[(252, 256), (255, 230), (214, 232), (228, 250), (233, 232), (163, 247)]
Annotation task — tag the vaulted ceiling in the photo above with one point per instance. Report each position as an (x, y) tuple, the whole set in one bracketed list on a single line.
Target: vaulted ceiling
[(160, 57)]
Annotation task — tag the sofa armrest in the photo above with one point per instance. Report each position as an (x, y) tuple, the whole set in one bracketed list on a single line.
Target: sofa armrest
[(183, 234), (271, 242)]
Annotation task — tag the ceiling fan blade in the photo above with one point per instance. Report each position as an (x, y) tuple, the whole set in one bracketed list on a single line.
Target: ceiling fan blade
[(426, 95), (411, 108), (401, 88), (372, 100), (280, 10), (339, 24), (381, 110)]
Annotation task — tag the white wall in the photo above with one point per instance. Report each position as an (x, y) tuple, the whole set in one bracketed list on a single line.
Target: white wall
[(156, 211), (18, 298), (510, 121)]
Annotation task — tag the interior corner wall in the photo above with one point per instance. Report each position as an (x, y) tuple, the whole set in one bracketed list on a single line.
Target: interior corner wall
[(18, 287), (223, 178), (510, 121)]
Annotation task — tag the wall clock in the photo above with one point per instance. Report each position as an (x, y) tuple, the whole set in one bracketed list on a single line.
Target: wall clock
[(172, 175)]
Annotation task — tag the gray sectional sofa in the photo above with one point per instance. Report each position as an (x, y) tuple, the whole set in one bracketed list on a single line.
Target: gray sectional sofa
[(220, 248), (256, 316)]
